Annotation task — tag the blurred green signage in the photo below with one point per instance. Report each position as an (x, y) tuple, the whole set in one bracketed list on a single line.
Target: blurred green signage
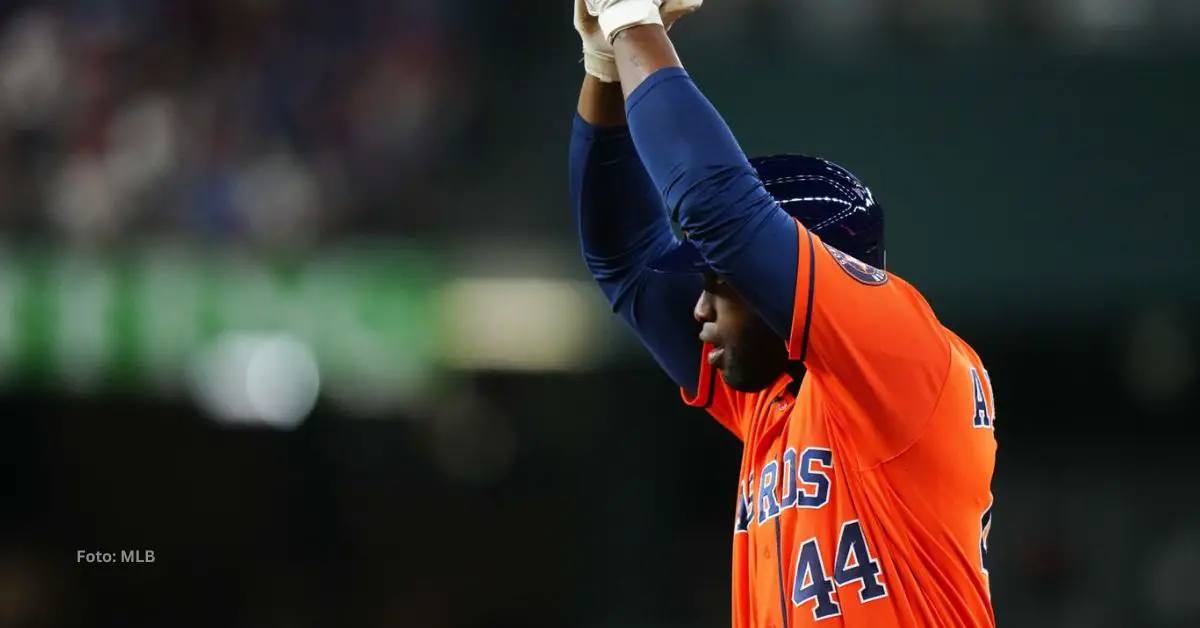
[(143, 318)]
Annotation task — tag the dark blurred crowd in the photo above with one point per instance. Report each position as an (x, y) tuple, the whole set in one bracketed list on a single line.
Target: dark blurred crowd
[(277, 122), (268, 121)]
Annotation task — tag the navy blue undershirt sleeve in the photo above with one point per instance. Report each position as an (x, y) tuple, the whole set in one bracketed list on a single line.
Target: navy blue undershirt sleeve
[(710, 188), (622, 225)]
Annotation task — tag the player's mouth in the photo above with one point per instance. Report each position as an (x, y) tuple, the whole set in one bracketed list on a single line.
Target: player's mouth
[(714, 356)]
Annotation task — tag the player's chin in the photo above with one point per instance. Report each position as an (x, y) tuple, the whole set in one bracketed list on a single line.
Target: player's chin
[(748, 380)]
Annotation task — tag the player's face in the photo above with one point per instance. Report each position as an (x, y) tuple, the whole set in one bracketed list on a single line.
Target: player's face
[(748, 353)]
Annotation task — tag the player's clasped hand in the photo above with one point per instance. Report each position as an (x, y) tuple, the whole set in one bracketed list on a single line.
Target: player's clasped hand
[(598, 21)]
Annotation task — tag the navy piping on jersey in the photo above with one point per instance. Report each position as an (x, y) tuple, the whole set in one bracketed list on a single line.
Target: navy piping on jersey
[(812, 282)]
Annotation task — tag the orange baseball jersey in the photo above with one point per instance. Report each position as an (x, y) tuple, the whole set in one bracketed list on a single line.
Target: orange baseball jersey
[(865, 492)]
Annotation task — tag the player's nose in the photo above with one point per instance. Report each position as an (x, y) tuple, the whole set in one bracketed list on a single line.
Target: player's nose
[(704, 312)]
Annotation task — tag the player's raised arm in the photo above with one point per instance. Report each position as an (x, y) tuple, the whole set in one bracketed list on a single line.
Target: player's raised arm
[(858, 328), (622, 222), (622, 225), (704, 178)]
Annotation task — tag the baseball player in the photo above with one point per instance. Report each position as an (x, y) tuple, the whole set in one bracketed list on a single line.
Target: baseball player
[(865, 489)]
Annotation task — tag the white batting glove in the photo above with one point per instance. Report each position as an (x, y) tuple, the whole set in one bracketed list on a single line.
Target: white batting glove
[(615, 16), (598, 58)]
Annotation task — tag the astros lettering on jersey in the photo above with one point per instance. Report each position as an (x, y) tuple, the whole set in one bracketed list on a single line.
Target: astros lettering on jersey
[(865, 494)]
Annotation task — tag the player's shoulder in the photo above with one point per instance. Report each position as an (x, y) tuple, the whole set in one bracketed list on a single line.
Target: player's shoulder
[(961, 346), (855, 275)]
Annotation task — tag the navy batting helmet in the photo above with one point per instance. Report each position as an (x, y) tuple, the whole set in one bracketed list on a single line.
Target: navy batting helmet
[(826, 198)]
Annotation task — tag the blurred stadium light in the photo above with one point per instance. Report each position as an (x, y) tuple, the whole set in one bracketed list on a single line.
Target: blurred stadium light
[(522, 324), (248, 379)]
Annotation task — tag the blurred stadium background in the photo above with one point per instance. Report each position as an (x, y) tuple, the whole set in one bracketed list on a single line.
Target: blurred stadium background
[(290, 296)]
